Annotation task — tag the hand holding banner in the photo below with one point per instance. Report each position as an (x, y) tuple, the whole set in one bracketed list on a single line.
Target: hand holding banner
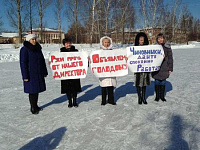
[(70, 65)]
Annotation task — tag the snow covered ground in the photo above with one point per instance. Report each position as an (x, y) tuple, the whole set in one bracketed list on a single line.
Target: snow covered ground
[(173, 125)]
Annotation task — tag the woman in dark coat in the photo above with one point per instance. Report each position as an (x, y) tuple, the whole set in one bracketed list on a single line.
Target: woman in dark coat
[(33, 69), (142, 79), (70, 87), (165, 69)]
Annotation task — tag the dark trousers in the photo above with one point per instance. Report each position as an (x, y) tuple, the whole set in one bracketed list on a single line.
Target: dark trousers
[(33, 97), (110, 91), (71, 94)]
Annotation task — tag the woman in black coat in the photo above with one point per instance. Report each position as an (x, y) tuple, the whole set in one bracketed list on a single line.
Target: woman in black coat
[(33, 69), (70, 87), (165, 69), (142, 79)]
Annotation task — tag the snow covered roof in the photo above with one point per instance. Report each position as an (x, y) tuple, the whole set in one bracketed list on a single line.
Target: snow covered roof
[(11, 34), (45, 29)]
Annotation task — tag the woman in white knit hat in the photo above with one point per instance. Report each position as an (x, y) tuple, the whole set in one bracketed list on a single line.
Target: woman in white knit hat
[(33, 70)]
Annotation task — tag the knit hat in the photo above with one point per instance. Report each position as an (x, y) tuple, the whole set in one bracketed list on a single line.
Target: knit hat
[(30, 36)]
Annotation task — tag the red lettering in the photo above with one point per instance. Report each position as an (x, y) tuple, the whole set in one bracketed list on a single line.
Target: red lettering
[(56, 75), (107, 69), (84, 72), (99, 69), (95, 58), (93, 69), (54, 67), (52, 58), (112, 69), (62, 74), (80, 63), (103, 69)]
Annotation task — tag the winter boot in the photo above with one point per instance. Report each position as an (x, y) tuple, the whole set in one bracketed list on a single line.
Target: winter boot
[(103, 92), (162, 93), (157, 91), (144, 94), (70, 105), (38, 108), (139, 95), (33, 109), (74, 102), (111, 96), (33, 104)]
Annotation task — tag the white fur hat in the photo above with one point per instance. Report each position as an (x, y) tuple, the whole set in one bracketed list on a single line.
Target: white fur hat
[(101, 42), (30, 36)]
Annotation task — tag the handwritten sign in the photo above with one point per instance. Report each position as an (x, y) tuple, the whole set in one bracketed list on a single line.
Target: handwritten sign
[(109, 63), (68, 65), (145, 58)]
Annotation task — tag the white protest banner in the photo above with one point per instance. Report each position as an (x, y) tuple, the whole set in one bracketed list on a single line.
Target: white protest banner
[(109, 63), (146, 58), (68, 65)]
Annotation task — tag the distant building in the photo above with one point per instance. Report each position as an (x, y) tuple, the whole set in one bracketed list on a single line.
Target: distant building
[(11, 38), (151, 33), (49, 35), (129, 36)]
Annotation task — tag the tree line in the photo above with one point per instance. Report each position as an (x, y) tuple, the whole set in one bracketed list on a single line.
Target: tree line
[(96, 18)]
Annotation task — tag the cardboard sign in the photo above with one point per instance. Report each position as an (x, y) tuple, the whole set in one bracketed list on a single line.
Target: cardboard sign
[(146, 58), (68, 65), (109, 63)]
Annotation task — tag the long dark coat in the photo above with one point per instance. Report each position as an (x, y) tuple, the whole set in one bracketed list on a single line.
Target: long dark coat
[(142, 78), (70, 85), (33, 68), (167, 64)]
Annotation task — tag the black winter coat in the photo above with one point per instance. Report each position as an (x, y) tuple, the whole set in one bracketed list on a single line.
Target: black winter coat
[(142, 78), (167, 64), (70, 85), (33, 68)]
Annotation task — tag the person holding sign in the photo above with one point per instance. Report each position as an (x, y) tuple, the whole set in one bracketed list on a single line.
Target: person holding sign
[(107, 83), (70, 87), (33, 70), (142, 79), (165, 69)]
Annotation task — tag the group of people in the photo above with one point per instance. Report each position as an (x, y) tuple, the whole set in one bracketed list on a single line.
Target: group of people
[(34, 71)]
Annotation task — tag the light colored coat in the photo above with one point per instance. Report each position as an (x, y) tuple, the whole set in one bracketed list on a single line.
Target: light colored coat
[(107, 81)]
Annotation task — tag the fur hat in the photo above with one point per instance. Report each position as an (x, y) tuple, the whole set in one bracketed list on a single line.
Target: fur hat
[(146, 41), (30, 36)]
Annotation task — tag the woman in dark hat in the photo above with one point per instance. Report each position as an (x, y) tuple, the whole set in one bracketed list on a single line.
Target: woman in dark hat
[(70, 87), (33, 69), (166, 68), (142, 79)]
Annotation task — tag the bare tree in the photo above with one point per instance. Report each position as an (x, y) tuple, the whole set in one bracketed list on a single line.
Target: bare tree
[(58, 13), (197, 29), (30, 12), (175, 17), (152, 13), (42, 5), (93, 21), (14, 12), (1, 23), (123, 18), (72, 13)]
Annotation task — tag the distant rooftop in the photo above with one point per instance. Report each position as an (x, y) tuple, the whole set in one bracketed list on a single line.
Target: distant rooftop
[(129, 30), (46, 29), (11, 34)]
